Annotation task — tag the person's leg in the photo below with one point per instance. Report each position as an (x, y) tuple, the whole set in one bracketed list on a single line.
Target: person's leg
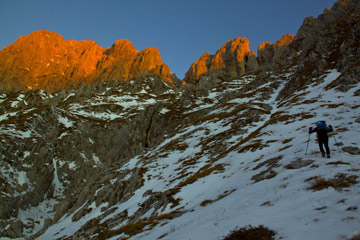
[(321, 147), (326, 144)]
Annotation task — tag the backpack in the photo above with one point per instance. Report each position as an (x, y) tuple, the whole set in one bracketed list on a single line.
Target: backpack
[(321, 124)]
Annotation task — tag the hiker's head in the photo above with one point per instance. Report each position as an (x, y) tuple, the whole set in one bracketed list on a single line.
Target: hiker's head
[(321, 124)]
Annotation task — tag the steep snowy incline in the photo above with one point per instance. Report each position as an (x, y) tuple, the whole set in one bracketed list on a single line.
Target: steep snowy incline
[(242, 163), (52, 144)]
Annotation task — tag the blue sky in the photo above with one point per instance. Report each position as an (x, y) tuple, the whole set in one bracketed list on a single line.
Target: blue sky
[(182, 30)]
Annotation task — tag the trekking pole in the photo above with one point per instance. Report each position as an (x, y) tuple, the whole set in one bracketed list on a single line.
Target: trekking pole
[(307, 145), (336, 143)]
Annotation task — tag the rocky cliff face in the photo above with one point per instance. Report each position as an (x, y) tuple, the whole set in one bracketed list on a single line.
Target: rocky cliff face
[(44, 60), (270, 53), (315, 37), (233, 59), (329, 41)]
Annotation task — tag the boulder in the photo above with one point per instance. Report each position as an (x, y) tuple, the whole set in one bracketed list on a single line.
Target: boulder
[(352, 150)]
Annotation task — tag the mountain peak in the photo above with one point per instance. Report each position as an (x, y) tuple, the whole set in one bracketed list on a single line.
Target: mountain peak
[(285, 40), (235, 59), (44, 60), (121, 47), (232, 60)]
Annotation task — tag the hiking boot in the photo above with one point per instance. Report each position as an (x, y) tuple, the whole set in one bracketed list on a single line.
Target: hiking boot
[(323, 154), (328, 155)]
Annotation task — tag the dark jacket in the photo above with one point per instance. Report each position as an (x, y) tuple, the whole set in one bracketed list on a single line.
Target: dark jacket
[(320, 132)]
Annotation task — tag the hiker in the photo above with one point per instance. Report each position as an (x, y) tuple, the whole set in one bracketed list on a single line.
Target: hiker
[(322, 136)]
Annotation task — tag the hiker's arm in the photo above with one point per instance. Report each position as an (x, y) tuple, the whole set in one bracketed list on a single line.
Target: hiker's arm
[(330, 128), (312, 130)]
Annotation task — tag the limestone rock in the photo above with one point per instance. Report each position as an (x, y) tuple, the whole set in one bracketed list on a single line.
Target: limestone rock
[(233, 59), (312, 27), (352, 150), (44, 60), (326, 42), (298, 163), (266, 53), (197, 68), (269, 53)]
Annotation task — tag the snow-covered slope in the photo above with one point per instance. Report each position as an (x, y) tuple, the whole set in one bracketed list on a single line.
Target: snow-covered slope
[(243, 163), (143, 160)]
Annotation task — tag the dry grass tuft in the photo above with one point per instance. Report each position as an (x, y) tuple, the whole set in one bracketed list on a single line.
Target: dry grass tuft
[(221, 196), (287, 140), (203, 172), (131, 229), (251, 233), (266, 174), (339, 182), (337, 163), (356, 237)]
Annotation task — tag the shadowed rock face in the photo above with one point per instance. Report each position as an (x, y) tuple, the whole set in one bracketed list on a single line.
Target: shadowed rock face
[(44, 60), (269, 53)]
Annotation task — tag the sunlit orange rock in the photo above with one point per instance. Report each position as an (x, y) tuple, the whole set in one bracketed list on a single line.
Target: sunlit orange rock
[(197, 68), (233, 59), (44, 60), (271, 52), (285, 40)]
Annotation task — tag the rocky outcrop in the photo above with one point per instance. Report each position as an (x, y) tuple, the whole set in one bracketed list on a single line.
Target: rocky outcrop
[(269, 53), (123, 62), (233, 59), (329, 41), (312, 27), (44, 60), (63, 127)]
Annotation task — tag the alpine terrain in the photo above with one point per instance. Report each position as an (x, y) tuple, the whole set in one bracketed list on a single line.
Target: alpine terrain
[(109, 144)]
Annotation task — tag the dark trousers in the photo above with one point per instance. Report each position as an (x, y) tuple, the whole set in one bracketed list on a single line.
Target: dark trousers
[(324, 142)]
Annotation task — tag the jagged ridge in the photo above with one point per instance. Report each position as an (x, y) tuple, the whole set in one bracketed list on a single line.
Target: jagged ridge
[(44, 60)]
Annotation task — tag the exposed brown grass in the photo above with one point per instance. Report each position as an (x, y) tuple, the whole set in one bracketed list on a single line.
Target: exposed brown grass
[(266, 174), (356, 237), (203, 172), (176, 144), (339, 182), (251, 233), (287, 140), (221, 196), (257, 145), (283, 148), (332, 106), (131, 229), (337, 163), (270, 163)]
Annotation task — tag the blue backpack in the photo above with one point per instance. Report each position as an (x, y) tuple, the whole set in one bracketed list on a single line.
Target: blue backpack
[(321, 124)]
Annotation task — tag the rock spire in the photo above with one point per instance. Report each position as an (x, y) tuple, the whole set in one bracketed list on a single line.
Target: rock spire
[(234, 59)]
